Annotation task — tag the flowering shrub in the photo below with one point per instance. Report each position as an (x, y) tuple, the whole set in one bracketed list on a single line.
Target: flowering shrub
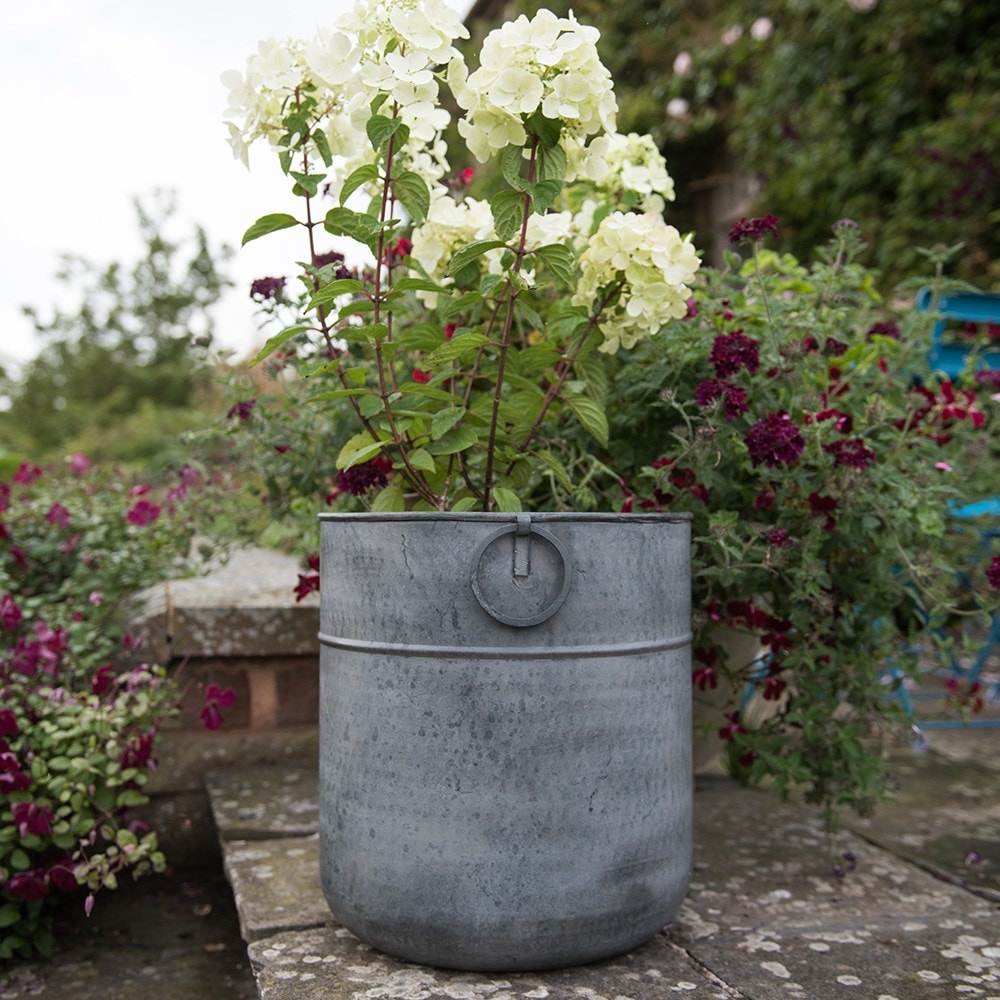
[(793, 414), (79, 718), (479, 329)]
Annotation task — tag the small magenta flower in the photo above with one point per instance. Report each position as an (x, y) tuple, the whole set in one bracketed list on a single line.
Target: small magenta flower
[(774, 441), (993, 573), (26, 474), (216, 698), (79, 463), (421, 376), (750, 230), (143, 513), (58, 515), (10, 613), (101, 680)]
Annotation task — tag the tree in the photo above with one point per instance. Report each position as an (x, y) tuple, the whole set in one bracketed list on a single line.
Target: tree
[(121, 369)]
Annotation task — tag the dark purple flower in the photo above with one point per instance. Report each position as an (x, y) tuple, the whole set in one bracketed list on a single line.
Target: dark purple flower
[(851, 452), (835, 347), (308, 584), (753, 229), (241, 410), (102, 678), (139, 750), (8, 722), (734, 398), (778, 537), (62, 876), (26, 474), (885, 329), (263, 289), (775, 440), (28, 885), (323, 259), (359, 479), (733, 351), (32, 818)]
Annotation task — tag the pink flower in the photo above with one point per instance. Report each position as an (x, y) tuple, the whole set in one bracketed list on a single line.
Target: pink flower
[(421, 376), (10, 613), (79, 463), (215, 698), (101, 680), (143, 513), (58, 515)]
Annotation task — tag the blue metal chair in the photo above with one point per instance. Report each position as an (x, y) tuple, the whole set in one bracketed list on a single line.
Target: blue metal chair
[(952, 358)]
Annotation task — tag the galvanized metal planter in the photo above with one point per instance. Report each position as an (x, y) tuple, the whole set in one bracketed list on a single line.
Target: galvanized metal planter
[(505, 733)]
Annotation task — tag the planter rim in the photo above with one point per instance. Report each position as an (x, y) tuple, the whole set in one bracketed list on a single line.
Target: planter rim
[(506, 517)]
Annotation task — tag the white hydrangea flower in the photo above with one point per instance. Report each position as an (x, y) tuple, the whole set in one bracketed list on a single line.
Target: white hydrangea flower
[(547, 64), (428, 25), (652, 263), (616, 163), (449, 225), (331, 57)]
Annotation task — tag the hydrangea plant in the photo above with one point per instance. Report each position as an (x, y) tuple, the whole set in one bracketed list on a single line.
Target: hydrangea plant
[(478, 328)]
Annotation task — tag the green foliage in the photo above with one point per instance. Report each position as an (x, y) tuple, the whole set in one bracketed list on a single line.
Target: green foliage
[(78, 717), (794, 416), (121, 376)]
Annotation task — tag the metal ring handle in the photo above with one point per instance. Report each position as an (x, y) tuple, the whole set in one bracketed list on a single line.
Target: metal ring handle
[(523, 531)]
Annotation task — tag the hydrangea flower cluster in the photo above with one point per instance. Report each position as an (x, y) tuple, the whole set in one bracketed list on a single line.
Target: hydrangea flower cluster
[(570, 253), (546, 65), (651, 264)]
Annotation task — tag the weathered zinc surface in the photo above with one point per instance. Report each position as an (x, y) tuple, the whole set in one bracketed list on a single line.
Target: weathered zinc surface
[(915, 915)]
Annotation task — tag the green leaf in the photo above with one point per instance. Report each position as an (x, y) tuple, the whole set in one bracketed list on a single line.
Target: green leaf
[(19, 860), (444, 420), (357, 225), (131, 797), (422, 459), (415, 285), (363, 175), (389, 499), (591, 415), (552, 164), (357, 449), (333, 290), (456, 440), (511, 164), (561, 261), (508, 213), (381, 129), (456, 347), (548, 130), (9, 914), (323, 146), (466, 503), (324, 397), (413, 194), (506, 501), (557, 469), (269, 224), (470, 252), (543, 194)]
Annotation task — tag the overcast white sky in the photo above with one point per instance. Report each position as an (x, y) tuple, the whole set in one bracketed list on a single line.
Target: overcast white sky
[(105, 100)]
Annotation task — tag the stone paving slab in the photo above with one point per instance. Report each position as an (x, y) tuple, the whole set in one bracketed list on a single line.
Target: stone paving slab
[(265, 802), (330, 963), (766, 914), (944, 818), (276, 885)]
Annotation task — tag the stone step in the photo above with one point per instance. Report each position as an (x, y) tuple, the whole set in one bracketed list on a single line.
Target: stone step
[(766, 917)]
